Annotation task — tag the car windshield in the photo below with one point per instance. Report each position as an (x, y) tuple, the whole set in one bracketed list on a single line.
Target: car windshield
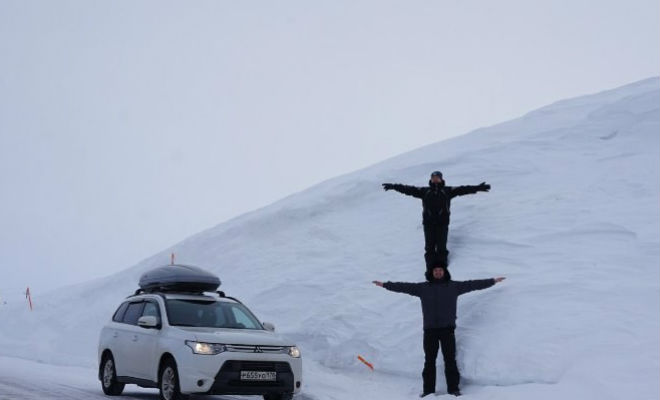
[(210, 314)]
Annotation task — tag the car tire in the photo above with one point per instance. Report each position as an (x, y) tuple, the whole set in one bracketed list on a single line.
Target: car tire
[(109, 383), (168, 382), (278, 396)]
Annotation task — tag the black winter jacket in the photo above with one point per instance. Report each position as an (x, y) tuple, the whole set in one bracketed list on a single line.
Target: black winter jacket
[(436, 199), (439, 298)]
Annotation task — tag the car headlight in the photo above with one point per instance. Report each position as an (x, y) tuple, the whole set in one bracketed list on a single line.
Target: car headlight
[(208, 349), (294, 352)]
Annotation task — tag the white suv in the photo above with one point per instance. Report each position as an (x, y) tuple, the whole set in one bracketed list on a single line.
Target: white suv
[(185, 343)]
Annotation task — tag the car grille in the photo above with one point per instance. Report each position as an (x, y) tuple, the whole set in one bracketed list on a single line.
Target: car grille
[(235, 365), (241, 348)]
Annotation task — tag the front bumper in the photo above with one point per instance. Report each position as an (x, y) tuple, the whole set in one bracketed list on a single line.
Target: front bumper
[(228, 381), (220, 374)]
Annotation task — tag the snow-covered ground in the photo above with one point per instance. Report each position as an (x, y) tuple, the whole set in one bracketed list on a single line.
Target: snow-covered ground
[(29, 380), (573, 220)]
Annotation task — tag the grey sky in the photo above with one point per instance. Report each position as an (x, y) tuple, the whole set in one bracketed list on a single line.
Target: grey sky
[(126, 126)]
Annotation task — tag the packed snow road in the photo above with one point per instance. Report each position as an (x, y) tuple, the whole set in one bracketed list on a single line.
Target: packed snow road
[(29, 380)]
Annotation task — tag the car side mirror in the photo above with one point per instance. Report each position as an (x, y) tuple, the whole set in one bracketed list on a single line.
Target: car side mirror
[(269, 327), (149, 322)]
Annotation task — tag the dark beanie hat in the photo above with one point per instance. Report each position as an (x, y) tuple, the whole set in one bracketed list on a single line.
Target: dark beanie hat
[(436, 173), (429, 274)]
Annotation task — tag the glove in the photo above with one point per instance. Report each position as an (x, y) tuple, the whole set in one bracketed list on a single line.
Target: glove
[(388, 186), (484, 187)]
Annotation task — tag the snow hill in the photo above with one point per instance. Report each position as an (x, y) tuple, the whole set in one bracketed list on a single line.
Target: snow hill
[(572, 221)]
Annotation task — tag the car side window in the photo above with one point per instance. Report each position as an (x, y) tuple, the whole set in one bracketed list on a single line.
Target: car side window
[(119, 314), (151, 309), (133, 313)]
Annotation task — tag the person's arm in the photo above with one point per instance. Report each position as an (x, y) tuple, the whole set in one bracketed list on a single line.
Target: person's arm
[(479, 284), (469, 189), (405, 189), (400, 287)]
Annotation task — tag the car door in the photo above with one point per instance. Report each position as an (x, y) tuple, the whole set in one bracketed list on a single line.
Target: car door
[(113, 336), (125, 358), (145, 344)]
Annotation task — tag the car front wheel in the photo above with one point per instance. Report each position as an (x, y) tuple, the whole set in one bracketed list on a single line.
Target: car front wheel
[(111, 386), (168, 383)]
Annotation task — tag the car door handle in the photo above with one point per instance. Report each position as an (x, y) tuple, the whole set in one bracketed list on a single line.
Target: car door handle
[(115, 335), (135, 338)]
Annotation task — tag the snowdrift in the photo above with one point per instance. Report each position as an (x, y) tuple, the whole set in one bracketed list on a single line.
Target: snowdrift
[(572, 221)]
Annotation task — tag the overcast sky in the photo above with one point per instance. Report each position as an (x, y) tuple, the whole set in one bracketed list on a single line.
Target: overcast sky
[(126, 126)]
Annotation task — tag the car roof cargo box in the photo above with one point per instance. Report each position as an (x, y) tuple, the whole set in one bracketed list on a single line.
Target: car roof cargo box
[(179, 278)]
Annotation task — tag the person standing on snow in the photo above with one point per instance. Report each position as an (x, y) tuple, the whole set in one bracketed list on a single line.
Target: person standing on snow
[(439, 296), (436, 201)]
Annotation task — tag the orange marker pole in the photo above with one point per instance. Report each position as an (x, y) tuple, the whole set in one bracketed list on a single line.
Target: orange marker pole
[(365, 362)]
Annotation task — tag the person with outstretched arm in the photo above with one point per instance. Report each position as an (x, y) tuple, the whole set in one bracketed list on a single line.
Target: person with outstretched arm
[(436, 200), (439, 295)]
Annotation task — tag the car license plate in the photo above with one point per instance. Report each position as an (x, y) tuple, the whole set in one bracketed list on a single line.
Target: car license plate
[(258, 376)]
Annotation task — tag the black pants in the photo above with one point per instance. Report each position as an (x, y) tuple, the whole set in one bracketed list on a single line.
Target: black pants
[(435, 244), (445, 338)]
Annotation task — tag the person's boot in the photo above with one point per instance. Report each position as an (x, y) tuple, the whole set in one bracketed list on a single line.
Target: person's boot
[(425, 394), (455, 392)]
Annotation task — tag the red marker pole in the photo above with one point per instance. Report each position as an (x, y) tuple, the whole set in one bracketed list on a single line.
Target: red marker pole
[(365, 362), (28, 297)]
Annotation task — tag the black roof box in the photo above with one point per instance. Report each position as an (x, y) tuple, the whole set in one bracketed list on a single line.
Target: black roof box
[(183, 278)]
